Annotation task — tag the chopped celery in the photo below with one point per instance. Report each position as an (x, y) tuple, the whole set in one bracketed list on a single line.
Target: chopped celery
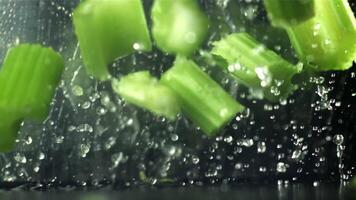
[(328, 40), (145, 91), (109, 29), (200, 97), (28, 80), (255, 66), (179, 26), (288, 12)]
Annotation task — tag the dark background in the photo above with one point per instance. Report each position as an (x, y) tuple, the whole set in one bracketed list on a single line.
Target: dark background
[(43, 22)]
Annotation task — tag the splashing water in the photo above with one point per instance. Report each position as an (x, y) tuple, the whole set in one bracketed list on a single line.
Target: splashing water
[(92, 135)]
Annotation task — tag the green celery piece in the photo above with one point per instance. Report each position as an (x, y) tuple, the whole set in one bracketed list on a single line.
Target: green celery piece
[(109, 29), (256, 67), (28, 79), (179, 26), (143, 90), (288, 12), (328, 40), (200, 97)]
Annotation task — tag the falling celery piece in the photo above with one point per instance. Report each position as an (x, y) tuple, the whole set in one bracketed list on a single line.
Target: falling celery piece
[(288, 12), (179, 26), (28, 79), (143, 90), (109, 29), (328, 40), (200, 97), (258, 68)]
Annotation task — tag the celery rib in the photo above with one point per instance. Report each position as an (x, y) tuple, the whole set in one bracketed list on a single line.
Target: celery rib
[(179, 26), (289, 12), (328, 40), (109, 29), (200, 97), (28, 79), (255, 66), (143, 90)]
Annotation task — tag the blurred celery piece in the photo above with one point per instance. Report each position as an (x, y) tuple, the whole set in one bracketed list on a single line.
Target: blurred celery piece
[(258, 68), (288, 12), (328, 40), (179, 26), (143, 90), (200, 97), (109, 29), (28, 80)]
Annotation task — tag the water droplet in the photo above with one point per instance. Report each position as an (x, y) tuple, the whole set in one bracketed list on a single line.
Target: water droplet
[(86, 105), (281, 167), (77, 90), (129, 122), (238, 166), (296, 155), (28, 140), (316, 183), (338, 139), (261, 147), (41, 156), (109, 143), (117, 158), (84, 128), (264, 75), (245, 142), (59, 139), (263, 169), (20, 158), (84, 149), (195, 159), (174, 137)]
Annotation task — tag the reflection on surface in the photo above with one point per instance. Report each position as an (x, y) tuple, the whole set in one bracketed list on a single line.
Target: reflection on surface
[(244, 192)]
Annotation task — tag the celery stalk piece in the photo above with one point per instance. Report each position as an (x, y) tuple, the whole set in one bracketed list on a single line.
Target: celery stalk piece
[(256, 67), (200, 97), (288, 12), (143, 90), (179, 26), (109, 29), (328, 40), (28, 79)]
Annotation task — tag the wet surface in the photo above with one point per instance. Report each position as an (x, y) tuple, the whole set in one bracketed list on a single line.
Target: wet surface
[(242, 192)]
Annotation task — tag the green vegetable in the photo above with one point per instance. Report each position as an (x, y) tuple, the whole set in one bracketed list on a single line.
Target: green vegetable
[(328, 40), (109, 29), (289, 12), (28, 79), (200, 97), (253, 65), (179, 26), (145, 91)]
